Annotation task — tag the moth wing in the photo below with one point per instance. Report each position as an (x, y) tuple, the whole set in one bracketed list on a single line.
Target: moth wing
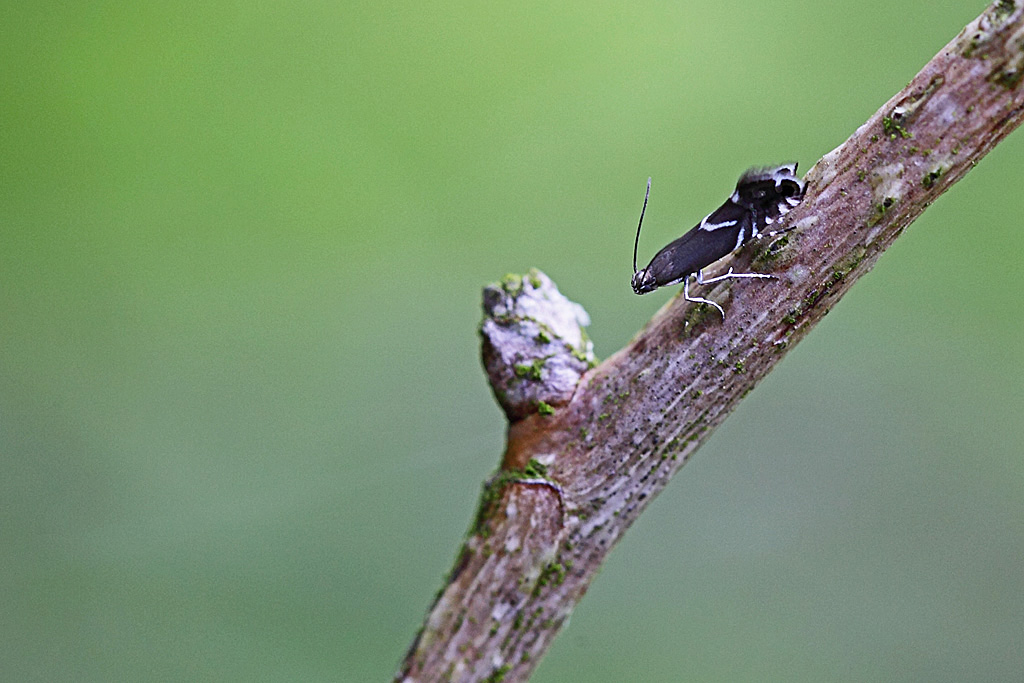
[(714, 238), (728, 217)]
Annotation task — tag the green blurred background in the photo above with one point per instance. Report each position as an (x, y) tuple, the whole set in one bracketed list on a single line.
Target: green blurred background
[(243, 424)]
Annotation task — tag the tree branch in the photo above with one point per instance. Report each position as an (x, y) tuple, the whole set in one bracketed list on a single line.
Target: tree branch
[(588, 449)]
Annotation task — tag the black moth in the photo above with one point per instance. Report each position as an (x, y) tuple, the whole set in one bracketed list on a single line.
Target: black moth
[(762, 197)]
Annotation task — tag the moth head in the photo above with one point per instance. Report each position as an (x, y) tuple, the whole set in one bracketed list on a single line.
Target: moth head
[(644, 281)]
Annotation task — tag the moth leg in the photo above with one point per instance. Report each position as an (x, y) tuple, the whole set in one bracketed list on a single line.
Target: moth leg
[(728, 276), (773, 233), (697, 299)]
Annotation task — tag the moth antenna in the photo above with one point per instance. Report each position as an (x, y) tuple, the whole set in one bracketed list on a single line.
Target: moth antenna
[(636, 242)]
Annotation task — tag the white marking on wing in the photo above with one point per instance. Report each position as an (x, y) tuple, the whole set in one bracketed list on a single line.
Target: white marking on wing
[(704, 225)]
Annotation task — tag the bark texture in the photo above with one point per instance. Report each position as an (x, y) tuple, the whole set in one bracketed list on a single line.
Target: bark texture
[(588, 449)]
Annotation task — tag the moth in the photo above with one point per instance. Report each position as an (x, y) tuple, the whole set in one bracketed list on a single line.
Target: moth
[(761, 198)]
